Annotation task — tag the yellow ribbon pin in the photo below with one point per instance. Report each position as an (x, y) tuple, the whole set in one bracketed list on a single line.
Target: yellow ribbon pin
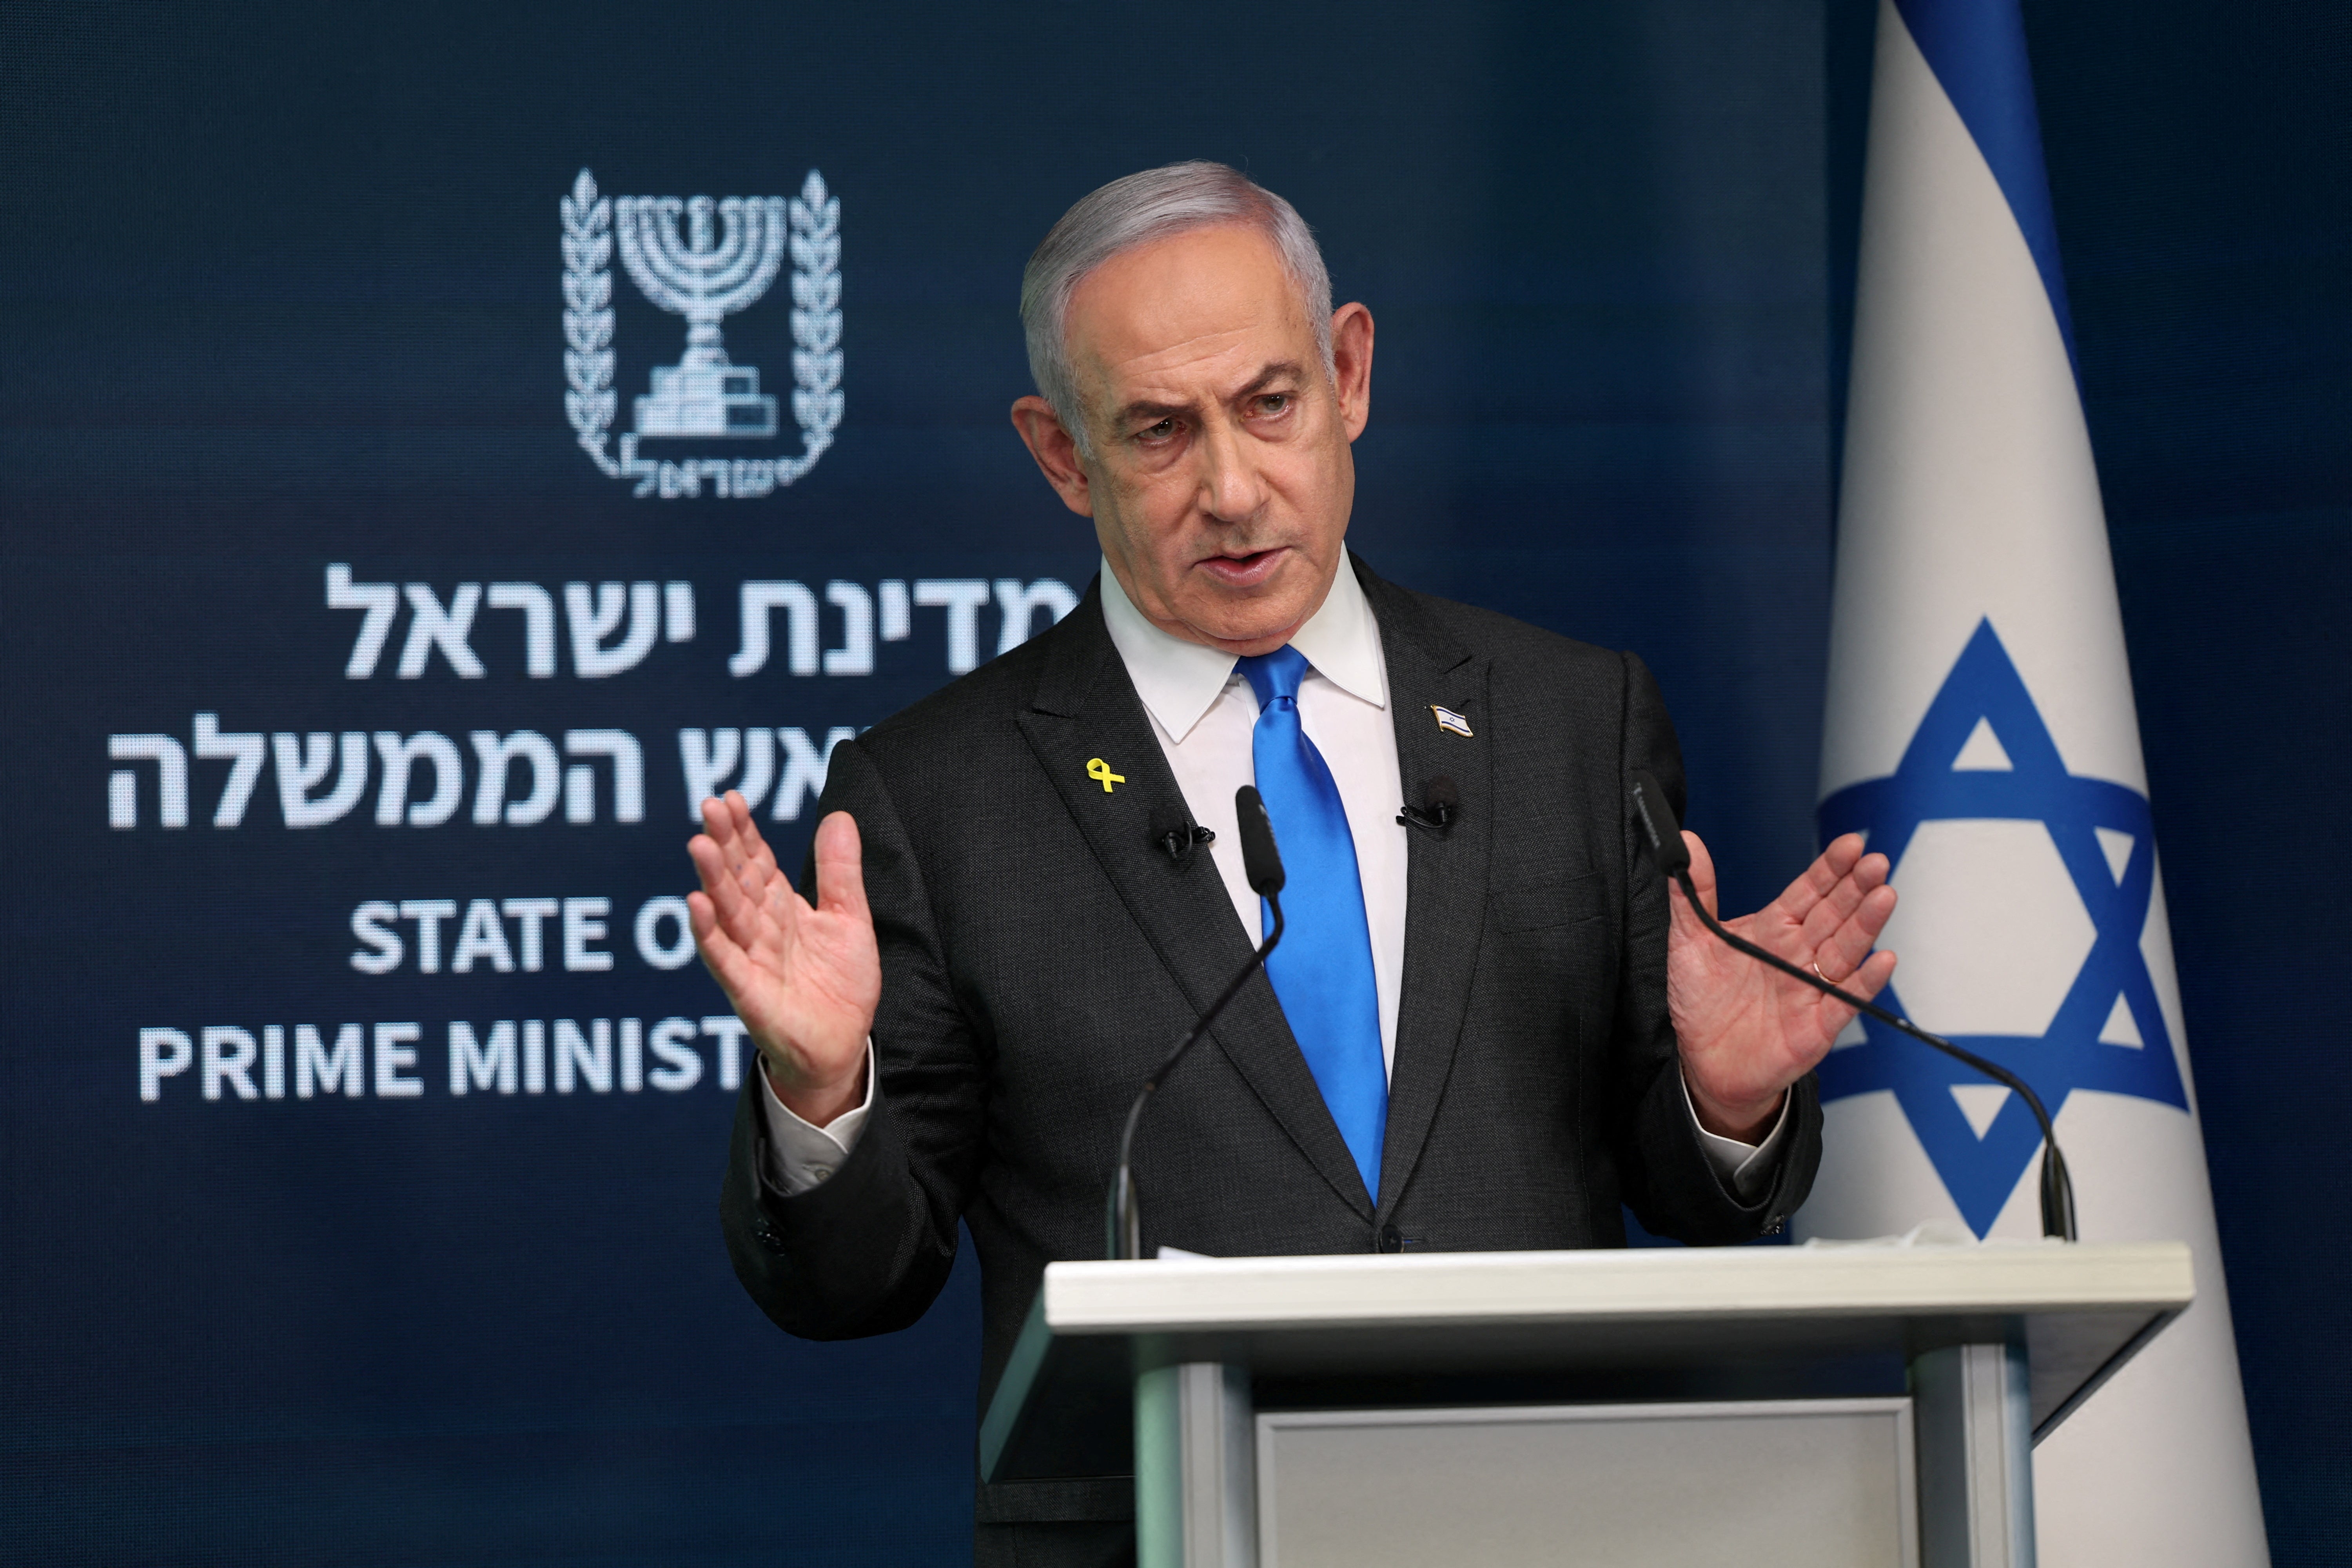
[(1099, 770)]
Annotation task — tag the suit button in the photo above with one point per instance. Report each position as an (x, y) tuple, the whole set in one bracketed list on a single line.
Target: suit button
[(1391, 1240)]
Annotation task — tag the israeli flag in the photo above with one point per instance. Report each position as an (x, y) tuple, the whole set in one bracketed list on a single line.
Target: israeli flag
[(1981, 732)]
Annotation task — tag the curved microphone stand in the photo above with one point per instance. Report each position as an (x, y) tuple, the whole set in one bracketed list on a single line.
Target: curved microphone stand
[(1673, 856)]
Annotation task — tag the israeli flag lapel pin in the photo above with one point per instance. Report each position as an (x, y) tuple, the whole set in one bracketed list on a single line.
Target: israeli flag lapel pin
[(1450, 722)]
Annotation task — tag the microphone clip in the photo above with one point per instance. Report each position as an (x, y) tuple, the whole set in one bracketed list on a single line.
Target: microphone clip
[(1436, 817), (1440, 807), (1177, 840)]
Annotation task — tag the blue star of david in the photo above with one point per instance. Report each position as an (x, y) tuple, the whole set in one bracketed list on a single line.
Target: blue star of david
[(1982, 1173)]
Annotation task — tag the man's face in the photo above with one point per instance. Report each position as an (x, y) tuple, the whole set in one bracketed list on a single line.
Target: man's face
[(1219, 480)]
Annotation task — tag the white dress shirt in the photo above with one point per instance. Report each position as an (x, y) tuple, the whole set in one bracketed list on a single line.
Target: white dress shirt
[(1205, 714)]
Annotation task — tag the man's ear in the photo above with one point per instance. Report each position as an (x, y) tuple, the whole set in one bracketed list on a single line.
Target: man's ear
[(1056, 454), (1351, 366)]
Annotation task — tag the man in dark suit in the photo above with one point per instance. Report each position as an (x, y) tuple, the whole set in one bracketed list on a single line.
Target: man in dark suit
[(1485, 1035)]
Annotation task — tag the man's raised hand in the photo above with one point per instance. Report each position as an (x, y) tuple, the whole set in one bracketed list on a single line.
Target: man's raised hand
[(1748, 1032), (805, 980)]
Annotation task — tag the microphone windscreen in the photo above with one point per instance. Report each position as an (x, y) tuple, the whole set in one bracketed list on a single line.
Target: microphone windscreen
[(1261, 861), (1440, 797), (1658, 823)]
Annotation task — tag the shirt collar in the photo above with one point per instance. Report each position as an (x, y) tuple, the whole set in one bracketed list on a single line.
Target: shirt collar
[(1179, 681)]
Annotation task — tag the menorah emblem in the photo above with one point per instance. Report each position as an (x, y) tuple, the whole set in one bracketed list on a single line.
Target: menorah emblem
[(718, 260), (703, 278)]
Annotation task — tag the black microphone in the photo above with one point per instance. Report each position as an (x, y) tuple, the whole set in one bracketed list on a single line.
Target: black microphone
[(1665, 837), (1440, 807), (1175, 837), (1262, 863)]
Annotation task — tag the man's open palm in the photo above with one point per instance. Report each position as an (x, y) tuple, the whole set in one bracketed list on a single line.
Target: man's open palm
[(804, 980), (1747, 1032)]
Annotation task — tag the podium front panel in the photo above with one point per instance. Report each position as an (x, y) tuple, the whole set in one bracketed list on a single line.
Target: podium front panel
[(1816, 1483)]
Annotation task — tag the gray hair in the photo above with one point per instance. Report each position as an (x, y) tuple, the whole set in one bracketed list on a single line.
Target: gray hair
[(1137, 210)]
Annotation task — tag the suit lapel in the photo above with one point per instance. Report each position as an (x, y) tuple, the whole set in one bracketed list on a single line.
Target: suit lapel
[(1085, 708), (1446, 873)]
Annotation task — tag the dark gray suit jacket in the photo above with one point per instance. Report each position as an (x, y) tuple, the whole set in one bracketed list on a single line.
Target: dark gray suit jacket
[(1041, 952)]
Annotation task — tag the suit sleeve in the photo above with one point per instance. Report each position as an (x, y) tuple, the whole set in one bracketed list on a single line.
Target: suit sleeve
[(866, 1251), (1664, 1173)]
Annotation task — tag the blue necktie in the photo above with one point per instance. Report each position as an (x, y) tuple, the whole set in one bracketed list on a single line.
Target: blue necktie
[(1322, 972)]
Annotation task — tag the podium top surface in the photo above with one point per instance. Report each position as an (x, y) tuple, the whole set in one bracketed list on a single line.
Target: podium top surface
[(1689, 1319)]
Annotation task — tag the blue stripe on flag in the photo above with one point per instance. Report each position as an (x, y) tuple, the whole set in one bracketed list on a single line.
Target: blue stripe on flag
[(1977, 50)]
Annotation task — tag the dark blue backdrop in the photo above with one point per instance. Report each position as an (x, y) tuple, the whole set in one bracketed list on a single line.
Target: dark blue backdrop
[(2202, 180), (281, 291)]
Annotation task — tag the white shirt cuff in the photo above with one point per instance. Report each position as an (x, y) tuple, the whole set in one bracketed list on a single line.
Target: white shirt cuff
[(802, 1154), (1745, 1168)]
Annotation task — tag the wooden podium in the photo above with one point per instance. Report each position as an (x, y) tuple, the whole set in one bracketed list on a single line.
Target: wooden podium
[(1750, 1407)]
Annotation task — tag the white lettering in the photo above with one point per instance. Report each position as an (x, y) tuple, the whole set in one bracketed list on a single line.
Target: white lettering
[(591, 660), (708, 758), (428, 914), (532, 913), (629, 763), (1021, 604), (497, 754), (729, 1030), (633, 1056), (804, 769), (474, 1065), (583, 922), (228, 1059), (504, 1057), (856, 653), (757, 599), (962, 597), (707, 766), (592, 1057), (897, 613), (369, 924), (170, 760), (399, 757), (658, 955), (303, 764), (244, 753), (392, 1055), (538, 609), (316, 1071), (681, 1066), (380, 600), (430, 627), (166, 1053), (484, 935)]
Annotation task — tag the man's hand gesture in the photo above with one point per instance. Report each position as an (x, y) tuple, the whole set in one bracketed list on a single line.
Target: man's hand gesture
[(1748, 1032), (805, 980)]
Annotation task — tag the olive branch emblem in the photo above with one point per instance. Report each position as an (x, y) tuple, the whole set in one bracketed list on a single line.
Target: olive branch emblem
[(812, 220), (588, 398)]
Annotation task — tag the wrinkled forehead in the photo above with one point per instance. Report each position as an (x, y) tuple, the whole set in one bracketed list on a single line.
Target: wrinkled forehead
[(1193, 306)]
